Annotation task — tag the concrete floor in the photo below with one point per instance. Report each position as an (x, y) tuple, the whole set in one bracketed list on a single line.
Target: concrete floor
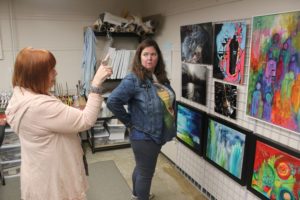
[(168, 182)]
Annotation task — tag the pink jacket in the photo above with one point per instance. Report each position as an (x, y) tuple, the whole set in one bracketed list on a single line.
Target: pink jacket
[(51, 153)]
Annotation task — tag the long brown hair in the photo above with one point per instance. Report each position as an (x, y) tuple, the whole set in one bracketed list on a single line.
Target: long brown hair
[(32, 69), (160, 69)]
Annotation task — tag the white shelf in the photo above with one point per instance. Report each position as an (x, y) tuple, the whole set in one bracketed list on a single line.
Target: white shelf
[(10, 161), (121, 54), (100, 133), (10, 146)]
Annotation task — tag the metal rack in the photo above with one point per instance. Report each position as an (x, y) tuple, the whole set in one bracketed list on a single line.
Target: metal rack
[(99, 137), (123, 34), (10, 153)]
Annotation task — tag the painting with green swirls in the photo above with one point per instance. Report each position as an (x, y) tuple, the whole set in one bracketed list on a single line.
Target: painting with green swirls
[(274, 79), (276, 174)]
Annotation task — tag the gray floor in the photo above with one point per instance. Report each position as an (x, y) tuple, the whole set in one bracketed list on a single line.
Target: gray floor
[(168, 182), (98, 190)]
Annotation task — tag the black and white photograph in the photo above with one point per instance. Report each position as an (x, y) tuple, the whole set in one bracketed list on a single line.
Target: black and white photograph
[(194, 82)]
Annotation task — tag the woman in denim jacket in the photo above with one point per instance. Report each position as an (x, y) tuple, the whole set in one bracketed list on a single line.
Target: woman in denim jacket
[(150, 116)]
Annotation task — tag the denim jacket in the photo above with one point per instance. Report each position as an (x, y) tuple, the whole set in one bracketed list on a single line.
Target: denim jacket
[(145, 111)]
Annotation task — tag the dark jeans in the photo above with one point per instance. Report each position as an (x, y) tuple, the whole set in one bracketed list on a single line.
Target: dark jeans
[(145, 153)]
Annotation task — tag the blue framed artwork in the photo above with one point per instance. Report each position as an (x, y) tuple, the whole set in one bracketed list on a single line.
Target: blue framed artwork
[(191, 126), (226, 146)]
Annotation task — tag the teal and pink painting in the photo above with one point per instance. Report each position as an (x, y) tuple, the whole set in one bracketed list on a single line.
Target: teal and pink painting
[(274, 76), (229, 51)]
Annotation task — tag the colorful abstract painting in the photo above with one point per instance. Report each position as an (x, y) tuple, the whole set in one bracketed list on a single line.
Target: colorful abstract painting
[(196, 43), (226, 147), (191, 124), (276, 173), (225, 99), (229, 51), (274, 81)]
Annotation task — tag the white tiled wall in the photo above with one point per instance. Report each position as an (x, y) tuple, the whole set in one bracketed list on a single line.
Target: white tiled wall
[(213, 183)]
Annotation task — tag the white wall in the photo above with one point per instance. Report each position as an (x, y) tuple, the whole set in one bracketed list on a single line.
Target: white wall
[(56, 25), (180, 13)]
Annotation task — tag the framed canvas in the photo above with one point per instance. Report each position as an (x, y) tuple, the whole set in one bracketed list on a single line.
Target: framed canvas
[(274, 76), (191, 127), (227, 147), (275, 171), (193, 82), (229, 51), (196, 43), (225, 99)]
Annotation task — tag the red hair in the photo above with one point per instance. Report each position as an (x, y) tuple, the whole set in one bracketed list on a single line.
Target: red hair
[(32, 69)]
